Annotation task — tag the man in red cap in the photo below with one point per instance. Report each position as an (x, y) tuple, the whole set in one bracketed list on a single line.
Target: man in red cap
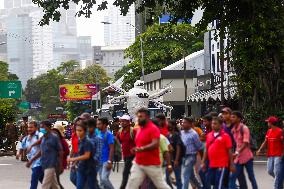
[(274, 144)]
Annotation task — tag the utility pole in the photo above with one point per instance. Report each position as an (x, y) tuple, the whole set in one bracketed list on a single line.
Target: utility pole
[(185, 87), (97, 91)]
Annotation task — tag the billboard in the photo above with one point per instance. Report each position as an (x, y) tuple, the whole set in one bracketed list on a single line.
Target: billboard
[(70, 92)]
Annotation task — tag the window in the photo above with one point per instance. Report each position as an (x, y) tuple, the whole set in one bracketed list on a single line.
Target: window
[(151, 86), (155, 85), (218, 45), (160, 84), (212, 47), (218, 62), (213, 63)]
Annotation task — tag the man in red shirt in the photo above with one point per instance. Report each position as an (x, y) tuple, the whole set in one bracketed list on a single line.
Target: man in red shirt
[(126, 137), (147, 158), (219, 153), (274, 144), (163, 125)]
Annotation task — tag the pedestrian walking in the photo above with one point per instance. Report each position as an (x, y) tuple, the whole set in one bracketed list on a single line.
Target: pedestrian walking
[(163, 125), (243, 156), (58, 129), (51, 153), (86, 171), (177, 152), (33, 136), (107, 153), (193, 146), (23, 131), (126, 137), (274, 144), (219, 153), (147, 158), (97, 144), (227, 126)]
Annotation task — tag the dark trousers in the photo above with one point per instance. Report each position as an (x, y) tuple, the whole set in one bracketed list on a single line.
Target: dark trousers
[(126, 171), (86, 180), (37, 175), (218, 177)]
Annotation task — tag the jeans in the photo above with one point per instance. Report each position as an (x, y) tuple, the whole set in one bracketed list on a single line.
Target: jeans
[(104, 177), (177, 172), (188, 172), (126, 171), (275, 169), (86, 179), (203, 177), (217, 177), (239, 170), (37, 175)]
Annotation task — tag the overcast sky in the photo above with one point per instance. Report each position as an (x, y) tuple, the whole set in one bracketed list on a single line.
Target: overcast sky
[(88, 26)]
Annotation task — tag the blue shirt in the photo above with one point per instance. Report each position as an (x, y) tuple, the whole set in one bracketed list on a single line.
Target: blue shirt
[(50, 147), (27, 142), (191, 141), (86, 166), (97, 143), (108, 139)]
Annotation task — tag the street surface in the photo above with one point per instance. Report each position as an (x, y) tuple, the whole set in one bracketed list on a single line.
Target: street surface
[(14, 175)]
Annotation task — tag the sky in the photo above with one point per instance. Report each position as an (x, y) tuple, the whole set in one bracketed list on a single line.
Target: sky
[(88, 26)]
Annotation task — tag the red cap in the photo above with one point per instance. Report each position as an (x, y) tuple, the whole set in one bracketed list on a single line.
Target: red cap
[(272, 119)]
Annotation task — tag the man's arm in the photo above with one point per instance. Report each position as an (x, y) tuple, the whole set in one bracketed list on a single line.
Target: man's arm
[(85, 156), (153, 145), (263, 145), (203, 164), (38, 142), (232, 166), (29, 163)]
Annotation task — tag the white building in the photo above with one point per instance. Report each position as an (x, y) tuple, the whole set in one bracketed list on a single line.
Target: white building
[(113, 59), (119, 32)]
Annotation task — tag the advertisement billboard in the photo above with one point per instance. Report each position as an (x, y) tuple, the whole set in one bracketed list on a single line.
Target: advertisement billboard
[(70, 92)]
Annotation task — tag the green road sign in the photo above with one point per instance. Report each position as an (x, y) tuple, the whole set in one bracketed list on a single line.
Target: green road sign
[(10, 89)]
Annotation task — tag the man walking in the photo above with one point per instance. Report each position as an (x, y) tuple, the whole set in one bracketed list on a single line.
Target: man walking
[(51, 153), (243, 154), (37, 171), (126, 136), (274, 144), (97, 144), (219, 153), (163, 125), (107, 153), (147, 158), (193, 145)]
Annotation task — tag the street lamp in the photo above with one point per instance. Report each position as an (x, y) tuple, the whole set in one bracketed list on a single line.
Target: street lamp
[(141, 49)]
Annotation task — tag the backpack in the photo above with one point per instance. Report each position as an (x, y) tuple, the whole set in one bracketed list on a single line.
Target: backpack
[(252, 140)]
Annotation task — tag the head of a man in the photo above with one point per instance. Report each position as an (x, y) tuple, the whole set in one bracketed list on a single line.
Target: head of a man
[(143, 116), (92, 124), (81, 129), (187, 123), (32, 127), (102, 123), (45, 127), (161, 118), (236, 117), (85, 116), (226, 114), (206, 120), (125, 121), (216, 124), (272, 121)]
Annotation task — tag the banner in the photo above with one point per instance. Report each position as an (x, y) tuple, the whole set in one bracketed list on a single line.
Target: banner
[(70, 92)]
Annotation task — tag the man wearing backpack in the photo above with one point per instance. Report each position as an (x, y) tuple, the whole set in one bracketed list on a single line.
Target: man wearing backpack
[(126, 137), (243, 156)]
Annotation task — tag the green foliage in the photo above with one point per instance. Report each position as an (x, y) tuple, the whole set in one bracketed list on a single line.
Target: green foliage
[(162, 46), (45, 88)]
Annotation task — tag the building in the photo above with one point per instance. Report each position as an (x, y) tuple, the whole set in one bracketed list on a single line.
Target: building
[(97, 55), (3, 43), (113, 59), (118, 30), (29, 47), (85, 47)]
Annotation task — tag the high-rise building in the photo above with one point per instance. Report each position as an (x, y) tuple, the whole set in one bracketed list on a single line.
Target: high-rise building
[(118, 30), (29, 46)]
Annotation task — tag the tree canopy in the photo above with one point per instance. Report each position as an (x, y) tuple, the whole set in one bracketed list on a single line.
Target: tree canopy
[(162, 46)]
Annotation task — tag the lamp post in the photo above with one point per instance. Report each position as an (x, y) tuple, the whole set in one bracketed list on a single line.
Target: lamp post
[(141, 50)]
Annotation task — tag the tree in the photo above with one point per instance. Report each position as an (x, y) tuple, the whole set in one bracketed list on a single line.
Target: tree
[(68, 67), (162, 46)]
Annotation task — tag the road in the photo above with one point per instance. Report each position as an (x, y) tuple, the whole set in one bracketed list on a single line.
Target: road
[(13, 174)]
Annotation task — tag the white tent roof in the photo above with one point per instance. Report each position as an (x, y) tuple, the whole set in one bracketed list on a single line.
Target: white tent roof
[(213, 94)]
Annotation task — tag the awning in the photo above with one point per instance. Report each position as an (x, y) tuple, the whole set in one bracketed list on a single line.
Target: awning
[(212, 94)]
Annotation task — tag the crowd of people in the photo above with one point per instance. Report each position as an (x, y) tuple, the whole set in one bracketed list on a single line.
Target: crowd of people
[(211, 152)]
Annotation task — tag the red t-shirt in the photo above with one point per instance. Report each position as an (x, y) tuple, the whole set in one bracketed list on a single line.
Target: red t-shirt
[(218, 149), (75, 143), (274, 142), (144, 136), (127, 142), (164, 130)]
